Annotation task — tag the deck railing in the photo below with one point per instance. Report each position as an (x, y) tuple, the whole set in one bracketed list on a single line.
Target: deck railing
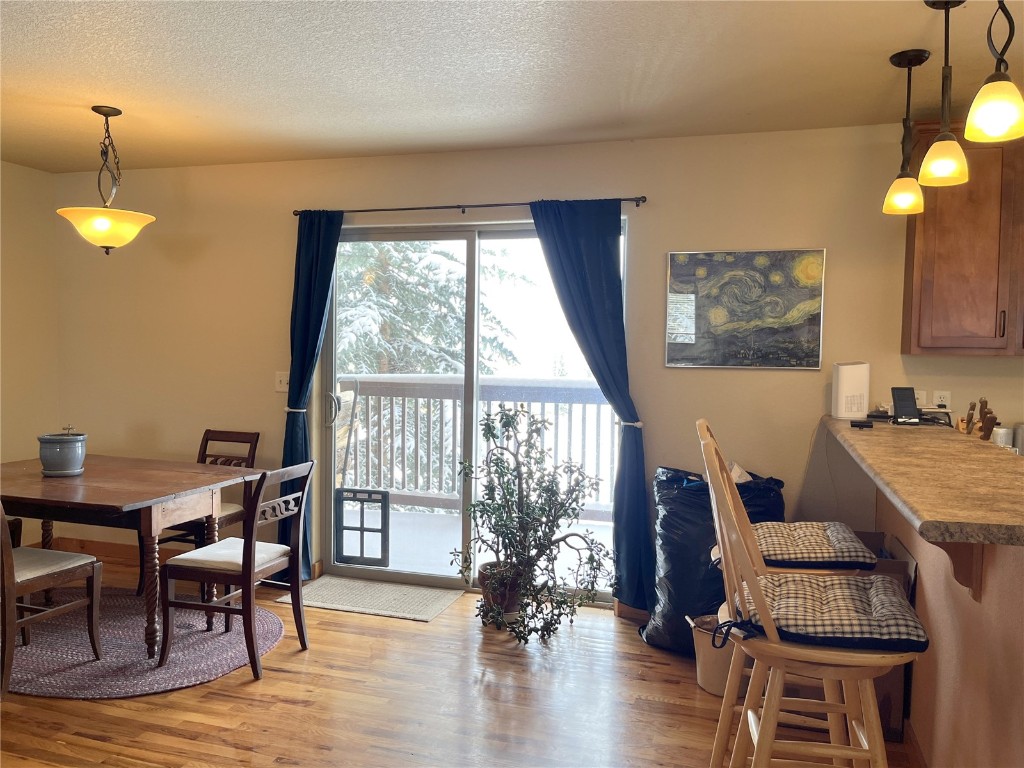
[(407, 435)]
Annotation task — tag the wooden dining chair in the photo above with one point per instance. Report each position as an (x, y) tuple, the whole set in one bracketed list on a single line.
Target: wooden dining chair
[(231, 449), (241, 563), (29, 569), (844, 630)]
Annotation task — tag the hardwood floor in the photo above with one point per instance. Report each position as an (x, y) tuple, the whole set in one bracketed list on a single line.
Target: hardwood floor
[(375, 691)]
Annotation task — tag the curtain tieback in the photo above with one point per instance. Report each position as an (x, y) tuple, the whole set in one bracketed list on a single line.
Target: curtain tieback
[(637, 424), (294, 410)]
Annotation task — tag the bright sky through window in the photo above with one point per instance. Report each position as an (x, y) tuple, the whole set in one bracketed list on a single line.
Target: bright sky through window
[(528, 307)]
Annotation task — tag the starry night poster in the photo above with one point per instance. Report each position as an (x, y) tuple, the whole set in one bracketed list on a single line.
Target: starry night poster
[(754, 309)]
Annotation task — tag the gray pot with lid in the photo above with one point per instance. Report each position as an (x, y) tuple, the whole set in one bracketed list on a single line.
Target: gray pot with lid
[(62, 454)]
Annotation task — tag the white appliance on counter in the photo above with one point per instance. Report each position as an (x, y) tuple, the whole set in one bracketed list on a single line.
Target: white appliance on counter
[(850, 390)]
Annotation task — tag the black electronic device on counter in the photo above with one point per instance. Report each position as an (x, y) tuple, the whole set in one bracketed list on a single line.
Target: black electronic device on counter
[(904, 406)]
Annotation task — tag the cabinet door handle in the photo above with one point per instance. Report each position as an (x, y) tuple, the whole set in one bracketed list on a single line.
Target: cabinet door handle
[(1002, 324)]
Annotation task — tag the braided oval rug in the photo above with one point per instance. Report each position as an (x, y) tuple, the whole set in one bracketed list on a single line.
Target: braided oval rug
[(59, 663)]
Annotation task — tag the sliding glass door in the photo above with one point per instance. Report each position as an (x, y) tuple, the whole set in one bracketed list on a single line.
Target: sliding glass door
[(397, 355), (545, 370), (429, 330)]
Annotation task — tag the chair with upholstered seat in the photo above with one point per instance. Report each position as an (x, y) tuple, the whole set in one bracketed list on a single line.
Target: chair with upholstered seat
[(241, 563), (845, 630), (232, 449), (805, 545), (28, 569)]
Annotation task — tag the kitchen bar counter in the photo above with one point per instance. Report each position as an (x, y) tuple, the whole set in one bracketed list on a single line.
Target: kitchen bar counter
[(956, 505), (949, 486)]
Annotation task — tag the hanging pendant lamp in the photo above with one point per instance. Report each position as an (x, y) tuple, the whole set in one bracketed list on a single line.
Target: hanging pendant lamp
[(107, 227), (945, 163), (997, 112), (904, 195)]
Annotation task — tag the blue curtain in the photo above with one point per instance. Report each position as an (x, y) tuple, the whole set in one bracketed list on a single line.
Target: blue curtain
[(580, 239), (314, 274)]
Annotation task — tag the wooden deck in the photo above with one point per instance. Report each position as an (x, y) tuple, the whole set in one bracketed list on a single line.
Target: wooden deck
[(375, 691)]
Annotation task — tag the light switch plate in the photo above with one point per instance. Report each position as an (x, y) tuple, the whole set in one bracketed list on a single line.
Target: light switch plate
[(281, 381), (921, 395)]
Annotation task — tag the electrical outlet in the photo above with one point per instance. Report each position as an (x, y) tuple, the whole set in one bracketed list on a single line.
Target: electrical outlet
[(921, 396), (943, 397), (281, 381)]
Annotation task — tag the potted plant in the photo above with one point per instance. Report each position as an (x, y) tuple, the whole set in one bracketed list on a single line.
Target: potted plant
[(522, 521)]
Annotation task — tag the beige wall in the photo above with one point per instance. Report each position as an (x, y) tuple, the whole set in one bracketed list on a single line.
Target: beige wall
[(30, 315), (184, 328), (30, 311)]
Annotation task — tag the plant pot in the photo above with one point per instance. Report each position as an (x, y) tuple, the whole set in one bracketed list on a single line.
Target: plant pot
[(504, 594), (62, 454)]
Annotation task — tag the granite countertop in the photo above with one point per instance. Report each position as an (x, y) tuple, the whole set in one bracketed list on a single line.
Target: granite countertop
[(950, 486)]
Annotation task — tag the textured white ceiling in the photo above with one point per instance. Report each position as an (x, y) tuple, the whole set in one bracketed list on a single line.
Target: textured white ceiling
[(213, 82)]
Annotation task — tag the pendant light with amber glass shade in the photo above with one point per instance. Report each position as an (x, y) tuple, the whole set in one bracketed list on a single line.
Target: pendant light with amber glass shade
[(945, 163), (904, 195), (107, 227), (997, 112)]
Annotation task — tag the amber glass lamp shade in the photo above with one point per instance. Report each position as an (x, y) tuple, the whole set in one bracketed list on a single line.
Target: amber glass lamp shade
[(107, 227), (904, 196), (945, 164), (997, 112)]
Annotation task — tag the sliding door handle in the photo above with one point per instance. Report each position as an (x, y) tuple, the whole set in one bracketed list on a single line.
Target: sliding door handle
[(333, 406)]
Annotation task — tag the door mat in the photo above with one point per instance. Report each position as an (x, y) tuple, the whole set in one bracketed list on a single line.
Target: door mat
[(378, 598)]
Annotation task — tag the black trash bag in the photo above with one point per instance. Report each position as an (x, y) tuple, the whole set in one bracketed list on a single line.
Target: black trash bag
[(687, 583)]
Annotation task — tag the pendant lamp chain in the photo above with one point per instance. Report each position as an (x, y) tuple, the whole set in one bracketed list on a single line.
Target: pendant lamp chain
[(908, 139), (947, 78), (1000, 53), (107, 149)]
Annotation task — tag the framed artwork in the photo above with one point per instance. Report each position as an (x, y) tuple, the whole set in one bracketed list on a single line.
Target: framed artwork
[(750, 309)]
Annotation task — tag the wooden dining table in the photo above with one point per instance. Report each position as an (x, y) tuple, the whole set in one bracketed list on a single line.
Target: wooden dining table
[(144, 495)]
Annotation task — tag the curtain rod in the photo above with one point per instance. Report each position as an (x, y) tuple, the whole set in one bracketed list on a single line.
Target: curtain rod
[(637, 200)]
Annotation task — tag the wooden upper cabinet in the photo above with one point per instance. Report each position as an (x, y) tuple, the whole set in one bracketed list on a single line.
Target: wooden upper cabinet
[(963, 291)]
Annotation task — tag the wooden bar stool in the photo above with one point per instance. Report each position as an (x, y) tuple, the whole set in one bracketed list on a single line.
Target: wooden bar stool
[(842, 630), (814, 547), (810, 545)]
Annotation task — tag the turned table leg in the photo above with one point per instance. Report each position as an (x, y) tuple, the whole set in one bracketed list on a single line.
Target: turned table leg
[(210, 590), (151, 563)]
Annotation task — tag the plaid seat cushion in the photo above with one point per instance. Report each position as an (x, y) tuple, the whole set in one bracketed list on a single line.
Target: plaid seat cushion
[(863, 612), (812, 545)]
